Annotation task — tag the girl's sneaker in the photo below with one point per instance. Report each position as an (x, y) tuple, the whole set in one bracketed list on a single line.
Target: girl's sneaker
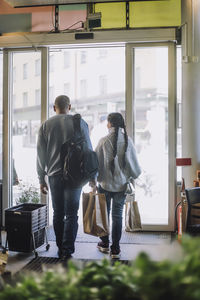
[(115, 253), (103, 247)]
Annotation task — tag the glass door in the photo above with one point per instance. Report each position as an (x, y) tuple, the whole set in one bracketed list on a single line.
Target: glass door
[(151, 95), (94, 79), (25, 119)]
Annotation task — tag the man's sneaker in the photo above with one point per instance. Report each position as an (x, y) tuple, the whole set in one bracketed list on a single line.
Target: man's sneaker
[(59, 253), (66, 257), (103, 247), (115, 253)]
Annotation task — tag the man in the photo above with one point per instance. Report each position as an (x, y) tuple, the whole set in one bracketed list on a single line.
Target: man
[(52, 134)]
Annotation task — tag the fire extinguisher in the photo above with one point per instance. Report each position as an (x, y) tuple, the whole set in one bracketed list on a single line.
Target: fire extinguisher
[(180, 222)]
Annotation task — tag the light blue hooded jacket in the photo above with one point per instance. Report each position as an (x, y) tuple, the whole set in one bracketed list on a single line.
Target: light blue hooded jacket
[(116, 182)]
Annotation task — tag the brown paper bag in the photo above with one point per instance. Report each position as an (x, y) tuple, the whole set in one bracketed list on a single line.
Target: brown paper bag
[(132, 215), (95, 215)]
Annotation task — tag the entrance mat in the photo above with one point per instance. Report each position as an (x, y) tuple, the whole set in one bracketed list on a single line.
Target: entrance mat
[(150, 238), (40, 264)]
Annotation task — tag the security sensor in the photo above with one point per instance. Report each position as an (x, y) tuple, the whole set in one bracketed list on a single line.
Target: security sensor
[(93, 20), (85, 35)]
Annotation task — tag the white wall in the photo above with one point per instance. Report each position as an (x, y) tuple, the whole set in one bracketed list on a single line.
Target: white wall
[(191, 87)]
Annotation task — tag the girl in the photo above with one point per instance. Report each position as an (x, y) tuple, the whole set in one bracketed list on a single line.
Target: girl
[(117, 165)]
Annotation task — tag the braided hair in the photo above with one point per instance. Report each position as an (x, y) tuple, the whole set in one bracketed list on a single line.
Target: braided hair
[(117, 121)]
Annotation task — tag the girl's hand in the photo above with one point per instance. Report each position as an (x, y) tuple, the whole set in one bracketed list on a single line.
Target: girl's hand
[(93, 185)]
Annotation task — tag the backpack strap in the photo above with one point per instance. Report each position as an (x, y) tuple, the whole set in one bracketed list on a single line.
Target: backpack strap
[(77, 124)]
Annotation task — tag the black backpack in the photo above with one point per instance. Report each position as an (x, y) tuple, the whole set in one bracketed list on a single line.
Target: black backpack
[(79, 163)]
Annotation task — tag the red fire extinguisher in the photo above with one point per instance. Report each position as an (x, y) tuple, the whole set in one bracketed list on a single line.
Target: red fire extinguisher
[(180, 231)]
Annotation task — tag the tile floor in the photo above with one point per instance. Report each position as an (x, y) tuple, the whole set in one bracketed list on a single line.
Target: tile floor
[(89, 251)]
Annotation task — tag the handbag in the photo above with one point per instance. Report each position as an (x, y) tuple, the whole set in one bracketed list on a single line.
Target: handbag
[(95, 214), (132, 215)]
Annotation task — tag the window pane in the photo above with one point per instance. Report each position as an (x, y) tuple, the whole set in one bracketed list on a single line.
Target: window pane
[(25, 99), (37, 97), (26, 111), (96, 87), (102, 53), (67, 90), (25, 72), (141, 13), (83, 87), (52, 63), (151, 136), (179, 114), (83, 57), (102, 84), (66, 59), (37, 67)]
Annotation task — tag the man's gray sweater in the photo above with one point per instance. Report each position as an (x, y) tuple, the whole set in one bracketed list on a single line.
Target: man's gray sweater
[(52, 134)]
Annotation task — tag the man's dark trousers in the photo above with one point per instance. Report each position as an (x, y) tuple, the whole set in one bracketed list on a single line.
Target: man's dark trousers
[(65, 203)]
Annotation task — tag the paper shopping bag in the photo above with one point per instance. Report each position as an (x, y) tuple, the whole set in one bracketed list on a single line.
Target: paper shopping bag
[(95, 215), (132, 215)]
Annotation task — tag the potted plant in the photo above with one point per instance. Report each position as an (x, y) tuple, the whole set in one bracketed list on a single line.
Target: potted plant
[(28, 193)]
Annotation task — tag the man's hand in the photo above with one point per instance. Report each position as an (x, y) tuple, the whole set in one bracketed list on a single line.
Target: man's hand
[(44, 188), (93, 185)]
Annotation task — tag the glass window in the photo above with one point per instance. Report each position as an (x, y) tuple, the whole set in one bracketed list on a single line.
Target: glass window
[(83, 57), (67, 89), (26, 121), (25, 99), (83, 83), (102, 84), (151, 133), (179, 113), (142, 14), (66, 59), (102, 53), (37, 67), (37, 97), (83, 88), (52, 63), (51, 94), (25, 71)]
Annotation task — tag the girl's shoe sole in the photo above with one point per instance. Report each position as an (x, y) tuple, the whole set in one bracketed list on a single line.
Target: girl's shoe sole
[(115, 256), (103, 250)]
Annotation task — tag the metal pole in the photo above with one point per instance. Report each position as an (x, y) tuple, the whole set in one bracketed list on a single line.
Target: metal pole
[(127, 15), (56, 26)]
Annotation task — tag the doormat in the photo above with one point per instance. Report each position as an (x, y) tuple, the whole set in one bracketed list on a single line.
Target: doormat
[(40, 264), (150, 238)]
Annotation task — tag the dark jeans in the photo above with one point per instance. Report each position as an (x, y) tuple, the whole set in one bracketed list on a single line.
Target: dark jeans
[(65, 203), (117, 210)]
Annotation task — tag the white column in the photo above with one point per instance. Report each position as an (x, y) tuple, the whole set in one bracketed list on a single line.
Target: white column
[(191, 87)]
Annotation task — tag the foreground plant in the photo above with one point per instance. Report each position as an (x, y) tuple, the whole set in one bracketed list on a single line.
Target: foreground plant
[(144, 279)]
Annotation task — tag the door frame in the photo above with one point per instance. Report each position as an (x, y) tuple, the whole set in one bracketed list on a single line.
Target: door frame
[(157, 36)]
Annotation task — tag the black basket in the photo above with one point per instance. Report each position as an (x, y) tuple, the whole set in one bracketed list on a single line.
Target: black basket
[(25, 225)]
